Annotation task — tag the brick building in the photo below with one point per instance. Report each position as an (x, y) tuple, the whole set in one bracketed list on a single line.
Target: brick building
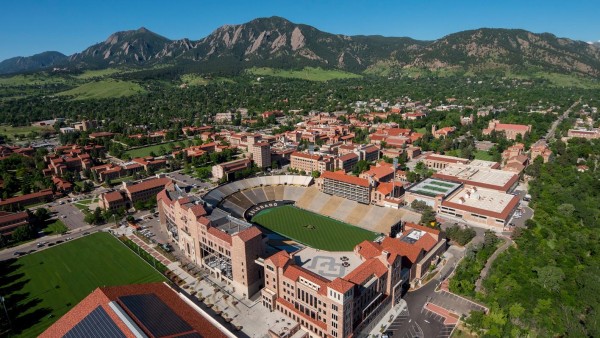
[(223, 170), (226, 246), (261, 154), (510, 130)]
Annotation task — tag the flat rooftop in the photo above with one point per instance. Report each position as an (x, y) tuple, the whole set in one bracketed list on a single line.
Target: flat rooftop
[(473, 174), (483, 164), (484, 199), (329, 265), (226, 223), (432, 187)]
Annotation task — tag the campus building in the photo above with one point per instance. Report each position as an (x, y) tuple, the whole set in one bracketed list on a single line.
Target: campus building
[(145, 190), (591, 134), (224, 245), (140, 310), (223, 170), (481, 176), (335, 294), (16, 203), (350, 187), (437, 162), (310, 162), (484, 206), (261, 154), (510, 130), (9, 221)]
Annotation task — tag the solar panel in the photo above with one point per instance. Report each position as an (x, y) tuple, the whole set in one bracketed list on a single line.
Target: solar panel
[(155, 316), (97, 324)]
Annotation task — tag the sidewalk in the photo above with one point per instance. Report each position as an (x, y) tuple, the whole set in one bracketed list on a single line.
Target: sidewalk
[(388, 318)]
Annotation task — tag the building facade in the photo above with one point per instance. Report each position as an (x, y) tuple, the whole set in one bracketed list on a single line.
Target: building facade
[(261, 154), (226, 246)]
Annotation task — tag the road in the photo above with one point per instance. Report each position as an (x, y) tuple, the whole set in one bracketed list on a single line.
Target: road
[(31, 247), (185, 180), (550, 134), (415, 321)]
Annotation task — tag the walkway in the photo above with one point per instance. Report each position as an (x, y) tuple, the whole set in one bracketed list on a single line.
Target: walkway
[(484, 272)]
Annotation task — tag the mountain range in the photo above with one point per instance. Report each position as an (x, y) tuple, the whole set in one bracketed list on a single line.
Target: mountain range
[(278, 43)]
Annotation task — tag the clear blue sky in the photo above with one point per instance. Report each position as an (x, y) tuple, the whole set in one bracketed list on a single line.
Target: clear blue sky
[(68, 26)]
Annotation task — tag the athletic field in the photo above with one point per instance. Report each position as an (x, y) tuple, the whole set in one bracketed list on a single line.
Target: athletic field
[(311, 229), (39, 288)]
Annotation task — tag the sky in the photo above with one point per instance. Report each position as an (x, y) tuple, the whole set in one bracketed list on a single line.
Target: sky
[(28, 27)]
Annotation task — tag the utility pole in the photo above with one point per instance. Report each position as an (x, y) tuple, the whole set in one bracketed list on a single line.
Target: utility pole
[(6, 312)]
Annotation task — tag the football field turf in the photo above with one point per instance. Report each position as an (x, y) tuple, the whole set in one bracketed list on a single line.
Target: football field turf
[(311, 229), (39, 288)]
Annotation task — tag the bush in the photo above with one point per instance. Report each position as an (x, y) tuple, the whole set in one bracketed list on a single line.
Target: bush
[(459, 235)]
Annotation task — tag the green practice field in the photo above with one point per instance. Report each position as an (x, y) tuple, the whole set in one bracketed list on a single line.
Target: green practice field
[(311, 229), (39, 288), (145, 151)]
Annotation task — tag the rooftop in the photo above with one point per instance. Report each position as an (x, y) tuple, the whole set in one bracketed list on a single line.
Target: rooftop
[(446, 158), (479, 176), (342, 177), (432, 187), (485, 201), (329, 265), (148, 310)]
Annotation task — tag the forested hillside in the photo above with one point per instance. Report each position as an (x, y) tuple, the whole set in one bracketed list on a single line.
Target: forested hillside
[(549, 285)]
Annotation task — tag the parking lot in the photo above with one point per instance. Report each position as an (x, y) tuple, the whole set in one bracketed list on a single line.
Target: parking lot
[(186, 180), (454, 303)]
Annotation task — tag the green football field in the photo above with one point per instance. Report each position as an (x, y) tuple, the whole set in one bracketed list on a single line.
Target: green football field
[(39, 288), (311, 229)]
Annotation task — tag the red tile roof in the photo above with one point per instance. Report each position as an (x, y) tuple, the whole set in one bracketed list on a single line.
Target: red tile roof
[(368, 249), (305, 155), (249, 233), (279, 259), (149, 184), (342, 177), (103, 296), (113, 196), (220, 234), (340, 285), (347, 157), (371, 267)]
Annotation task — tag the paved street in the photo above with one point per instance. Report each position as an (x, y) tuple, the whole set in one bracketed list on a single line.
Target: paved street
[(185, 180), (415, 321)]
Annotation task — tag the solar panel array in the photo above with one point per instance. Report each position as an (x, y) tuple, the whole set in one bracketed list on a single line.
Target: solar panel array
[(97, 324), (155, 315)]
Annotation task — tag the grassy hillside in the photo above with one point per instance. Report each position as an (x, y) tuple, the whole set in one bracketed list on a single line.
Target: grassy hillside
[(104, 89), (199, 80), (308, 73), (41, 78), (89, 74)]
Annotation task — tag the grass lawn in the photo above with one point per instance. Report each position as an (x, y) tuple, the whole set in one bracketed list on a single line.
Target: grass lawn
[(311, 229), (41, 287), (145, 151), (11, 132), (104, 89), (56, 227), (483, 155), (308, 73), (84, 208)]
